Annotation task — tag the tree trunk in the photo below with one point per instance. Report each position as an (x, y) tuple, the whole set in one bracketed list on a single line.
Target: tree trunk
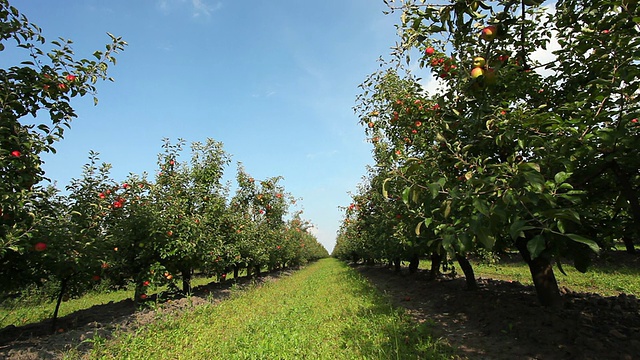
[(632, 197), (186, 280), (397, 265), (467, 269), (628, 244), (236, 270), (542, 274), (414, 262), (63, 289), (436, 261), (258, 270)]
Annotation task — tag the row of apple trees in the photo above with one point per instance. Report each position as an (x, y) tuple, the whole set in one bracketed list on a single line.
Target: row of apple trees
[(142, 231), (156, 232), (520, 148)]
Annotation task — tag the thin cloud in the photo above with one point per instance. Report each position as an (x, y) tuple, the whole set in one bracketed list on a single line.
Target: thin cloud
[(198, 8), (202, 7)]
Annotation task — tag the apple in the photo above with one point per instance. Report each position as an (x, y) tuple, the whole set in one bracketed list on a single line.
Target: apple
[(40, 246), (16, 153), (430, 50), (477, 72), (635, 121), (143, 296), (371, 124), (169, 233), (71, 77), (479, 61), (489, 33), (146, 283), (95, 278)]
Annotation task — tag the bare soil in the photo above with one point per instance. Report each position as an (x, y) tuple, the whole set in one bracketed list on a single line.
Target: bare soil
[(500, 320), (503, 320)]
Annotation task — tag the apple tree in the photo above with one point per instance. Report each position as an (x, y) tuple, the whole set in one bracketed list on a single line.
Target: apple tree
[(45, 81)]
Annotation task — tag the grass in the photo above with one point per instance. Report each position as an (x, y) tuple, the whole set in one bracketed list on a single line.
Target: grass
[(325, 311), (25, 311), (605, 279)]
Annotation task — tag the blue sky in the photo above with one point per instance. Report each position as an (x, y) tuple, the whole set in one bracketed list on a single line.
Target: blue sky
[(275, 81)]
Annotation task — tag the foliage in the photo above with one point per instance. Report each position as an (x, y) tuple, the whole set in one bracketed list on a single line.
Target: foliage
[(510, 152)]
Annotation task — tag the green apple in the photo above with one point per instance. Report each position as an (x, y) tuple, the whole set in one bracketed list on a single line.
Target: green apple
[(478, 61)]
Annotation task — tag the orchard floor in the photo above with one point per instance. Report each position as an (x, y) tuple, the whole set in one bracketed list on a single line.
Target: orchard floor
[(500, 320)]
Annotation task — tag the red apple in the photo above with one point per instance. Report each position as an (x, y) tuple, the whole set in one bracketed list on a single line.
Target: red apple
[(429, 51), (477, 72), (16, 153), (489, 33), (71, 77), (40, 246)]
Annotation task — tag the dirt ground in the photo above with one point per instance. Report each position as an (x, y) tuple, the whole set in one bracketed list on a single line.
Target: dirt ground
[(500, 320)]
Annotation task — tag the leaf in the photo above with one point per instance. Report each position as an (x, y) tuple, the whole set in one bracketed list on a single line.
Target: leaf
[(417, 230), (561, 177), (518, 227), (447, 209), (481, 206), (385, 194), (536, 246), (405, 195), (583, 240), (435, 189), (560, 267)]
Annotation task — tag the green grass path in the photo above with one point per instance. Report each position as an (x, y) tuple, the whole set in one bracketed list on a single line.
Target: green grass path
[(324, 311)]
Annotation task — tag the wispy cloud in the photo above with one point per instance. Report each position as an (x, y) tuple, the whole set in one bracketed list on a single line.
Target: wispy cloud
[(204, 7), (198, 8)]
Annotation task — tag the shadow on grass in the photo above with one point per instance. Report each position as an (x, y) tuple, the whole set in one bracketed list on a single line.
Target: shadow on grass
[(111, 314), (383, 331)]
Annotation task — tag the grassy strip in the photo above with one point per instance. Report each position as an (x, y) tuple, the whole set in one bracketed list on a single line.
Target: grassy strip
[(18, 313), (606, 280), (325, 311)]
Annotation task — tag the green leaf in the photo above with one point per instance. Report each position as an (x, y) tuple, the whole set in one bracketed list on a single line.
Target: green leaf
[(385, 194), (481, 206), (435, 189), (405, 195), (447, 209), (417, 230), (583, 240), (518, 227), (536, 246), (561, 177)]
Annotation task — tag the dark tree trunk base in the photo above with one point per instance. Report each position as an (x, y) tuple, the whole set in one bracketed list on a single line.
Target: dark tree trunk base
[(543, 277), (467, 269)]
